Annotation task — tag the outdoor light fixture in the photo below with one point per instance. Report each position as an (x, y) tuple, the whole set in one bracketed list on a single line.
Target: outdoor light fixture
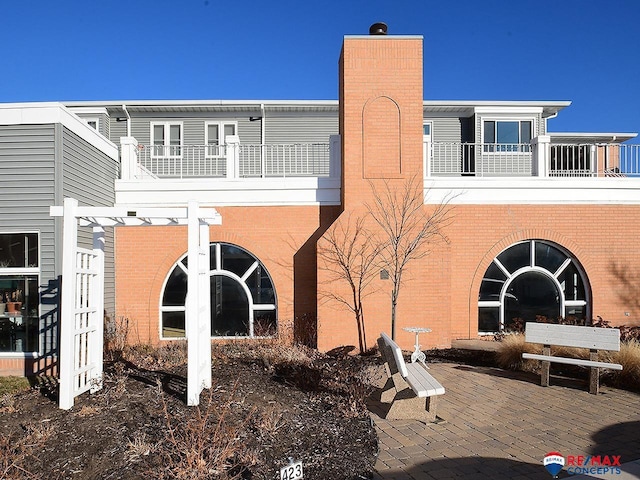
[(384, 275)]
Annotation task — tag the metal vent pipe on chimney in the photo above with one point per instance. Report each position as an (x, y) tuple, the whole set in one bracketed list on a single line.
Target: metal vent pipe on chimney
[(379, 28)]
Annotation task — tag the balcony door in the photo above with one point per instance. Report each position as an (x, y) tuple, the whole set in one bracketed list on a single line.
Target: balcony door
[(215, 152), (426, 146), (166, 139)]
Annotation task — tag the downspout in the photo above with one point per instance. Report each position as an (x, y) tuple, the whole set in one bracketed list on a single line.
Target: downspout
[(126, 112), (262, 139), (262, 125), (546, 122)]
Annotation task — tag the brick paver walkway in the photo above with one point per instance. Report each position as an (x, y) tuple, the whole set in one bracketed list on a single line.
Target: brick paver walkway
[(499, 424)]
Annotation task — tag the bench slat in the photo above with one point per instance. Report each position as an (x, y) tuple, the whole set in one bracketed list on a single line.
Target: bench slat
[(572, 361), (573, 336), (422, 382), (397, 354)]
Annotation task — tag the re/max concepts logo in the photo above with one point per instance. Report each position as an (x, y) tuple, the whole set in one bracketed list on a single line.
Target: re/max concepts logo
[(554, 462)]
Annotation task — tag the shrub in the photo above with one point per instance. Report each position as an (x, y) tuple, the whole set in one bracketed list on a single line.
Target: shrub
[(629, 358), (15, 451), (510, 350), (116, 334), (205, 444)]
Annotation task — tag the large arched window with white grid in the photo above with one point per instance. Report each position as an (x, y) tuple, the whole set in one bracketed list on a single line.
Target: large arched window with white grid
[(530, 279), (243, 298)]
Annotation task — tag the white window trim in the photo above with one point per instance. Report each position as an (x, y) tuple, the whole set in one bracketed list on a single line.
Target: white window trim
[(167, 137), (430, 136), (93, 119), (534, 129), (564, 303), (217, 271), (427, 145), (32, 271), (220, 124)]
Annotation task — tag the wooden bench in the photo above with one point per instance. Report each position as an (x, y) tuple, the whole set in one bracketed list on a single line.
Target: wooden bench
[(593, 338), (410, 390)]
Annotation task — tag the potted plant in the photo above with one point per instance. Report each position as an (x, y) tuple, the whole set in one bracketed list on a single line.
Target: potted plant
[(14, 301)]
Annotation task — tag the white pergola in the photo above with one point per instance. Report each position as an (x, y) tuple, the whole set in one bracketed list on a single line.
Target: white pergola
[(82, 293)]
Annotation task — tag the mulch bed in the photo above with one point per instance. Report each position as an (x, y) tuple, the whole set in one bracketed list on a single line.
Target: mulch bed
[(258, 414)]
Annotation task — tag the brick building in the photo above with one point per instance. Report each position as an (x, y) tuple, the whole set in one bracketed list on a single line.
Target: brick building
[(539, 223)]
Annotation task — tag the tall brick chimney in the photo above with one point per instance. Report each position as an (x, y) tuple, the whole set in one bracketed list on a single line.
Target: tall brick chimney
[(380, 111)]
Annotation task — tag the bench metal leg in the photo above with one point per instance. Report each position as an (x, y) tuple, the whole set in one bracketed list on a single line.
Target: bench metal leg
[(544, 374)]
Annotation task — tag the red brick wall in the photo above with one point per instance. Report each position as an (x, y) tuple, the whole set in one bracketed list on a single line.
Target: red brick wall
[(441, 291), (380, 102), (282, 238), (378, 74), (28, 366), (601, 237), (381, 117)]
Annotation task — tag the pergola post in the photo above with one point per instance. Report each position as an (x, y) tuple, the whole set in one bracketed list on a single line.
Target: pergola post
[(67, 300), (198, 317), (204, 317), (97, 299)]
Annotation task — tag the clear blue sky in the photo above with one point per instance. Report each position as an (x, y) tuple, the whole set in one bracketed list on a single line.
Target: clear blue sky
[(586, 51)]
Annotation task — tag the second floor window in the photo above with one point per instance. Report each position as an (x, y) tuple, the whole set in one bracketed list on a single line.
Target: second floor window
[(507, 135), (166, 139), (215, 133)]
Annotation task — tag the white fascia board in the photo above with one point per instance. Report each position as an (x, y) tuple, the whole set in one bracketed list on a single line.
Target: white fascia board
[(51, 112), (200, 103), (382, 37), (507, 109), (89, 110), (533, 191), (223, 192), (603, 137)]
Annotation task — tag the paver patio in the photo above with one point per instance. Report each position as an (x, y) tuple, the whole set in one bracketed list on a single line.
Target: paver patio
[(500, 424)]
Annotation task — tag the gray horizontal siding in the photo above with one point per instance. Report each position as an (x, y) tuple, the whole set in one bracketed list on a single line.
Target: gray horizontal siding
[(27, 190), (300, 127), (446, 129), (89, 176), (27, 185), (193, 127), (116, 130)]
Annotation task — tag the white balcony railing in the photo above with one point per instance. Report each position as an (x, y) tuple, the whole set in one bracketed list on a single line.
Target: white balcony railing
[(541, 158), (233, 161), (454, 159)]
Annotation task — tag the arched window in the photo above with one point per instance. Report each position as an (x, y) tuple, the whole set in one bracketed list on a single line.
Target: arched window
[(529, 279), (243, 300)]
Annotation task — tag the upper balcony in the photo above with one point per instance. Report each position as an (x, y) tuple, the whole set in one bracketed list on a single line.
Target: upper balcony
[(230, 174), (310, 174), (234, 161), (540, 158)]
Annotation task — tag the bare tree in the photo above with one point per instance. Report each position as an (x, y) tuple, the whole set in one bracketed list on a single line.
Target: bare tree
[(409, 230), (349, 255)]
